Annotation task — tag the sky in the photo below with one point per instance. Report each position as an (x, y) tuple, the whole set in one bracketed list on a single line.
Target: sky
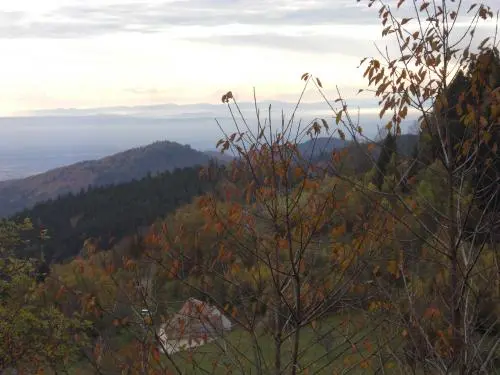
[(100, 53)]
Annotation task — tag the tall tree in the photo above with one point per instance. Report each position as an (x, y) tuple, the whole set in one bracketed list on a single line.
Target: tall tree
[(34, 334)]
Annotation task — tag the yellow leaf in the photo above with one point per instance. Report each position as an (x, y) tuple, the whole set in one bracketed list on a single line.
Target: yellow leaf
[(347, 360), (392, 267), (390, 365), (338, 117)]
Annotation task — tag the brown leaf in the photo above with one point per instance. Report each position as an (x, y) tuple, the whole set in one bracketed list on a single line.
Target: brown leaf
[(325, 124), (319, 82), (424, 6), (341, 134), (472, 7)]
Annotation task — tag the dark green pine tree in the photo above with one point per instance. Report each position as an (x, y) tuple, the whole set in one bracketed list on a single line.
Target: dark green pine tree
[(389, 147), (486, 77), (429, 146), (476, 87)]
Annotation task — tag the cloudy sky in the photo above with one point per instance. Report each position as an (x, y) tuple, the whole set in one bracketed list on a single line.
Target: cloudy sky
[(97, 53)]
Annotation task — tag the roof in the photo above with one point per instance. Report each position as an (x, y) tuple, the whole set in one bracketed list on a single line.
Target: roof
[(196, 318)]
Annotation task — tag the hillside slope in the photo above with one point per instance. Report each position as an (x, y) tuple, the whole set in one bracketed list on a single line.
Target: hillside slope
[(109, 213), (129, 165)]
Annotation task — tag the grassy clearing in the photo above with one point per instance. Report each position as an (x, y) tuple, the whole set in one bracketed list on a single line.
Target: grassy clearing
[(341, 344), (331, 347)]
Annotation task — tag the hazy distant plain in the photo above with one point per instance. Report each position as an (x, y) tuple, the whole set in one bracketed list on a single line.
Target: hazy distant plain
[(45, 140)]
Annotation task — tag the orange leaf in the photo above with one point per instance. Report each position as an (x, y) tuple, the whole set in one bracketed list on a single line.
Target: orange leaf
[(339, 230), (299, 172), (432, 312), (368, 346), (283, 243), (219, 227)]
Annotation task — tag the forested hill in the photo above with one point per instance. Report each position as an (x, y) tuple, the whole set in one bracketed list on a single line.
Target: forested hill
[(109, 213), (136, 163)]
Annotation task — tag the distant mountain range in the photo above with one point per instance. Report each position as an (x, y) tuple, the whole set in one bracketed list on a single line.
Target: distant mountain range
[(133, 164)]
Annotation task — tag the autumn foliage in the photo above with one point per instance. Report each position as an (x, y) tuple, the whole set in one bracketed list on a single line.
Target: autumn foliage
[(321, 264)]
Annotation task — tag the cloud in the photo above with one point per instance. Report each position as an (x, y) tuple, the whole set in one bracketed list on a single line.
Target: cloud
[(325, 44), (82, 20), (221, 12)]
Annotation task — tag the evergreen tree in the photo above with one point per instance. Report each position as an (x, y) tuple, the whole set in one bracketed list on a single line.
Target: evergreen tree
[(389, 148)]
